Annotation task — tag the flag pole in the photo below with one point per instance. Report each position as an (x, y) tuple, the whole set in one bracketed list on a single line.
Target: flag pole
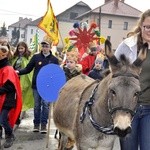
[(61, 36)]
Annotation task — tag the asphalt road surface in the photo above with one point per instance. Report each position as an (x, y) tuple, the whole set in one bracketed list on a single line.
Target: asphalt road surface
[(28, 140)]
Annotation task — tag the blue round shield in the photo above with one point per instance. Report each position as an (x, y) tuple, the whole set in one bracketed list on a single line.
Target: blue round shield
[(50, 80)]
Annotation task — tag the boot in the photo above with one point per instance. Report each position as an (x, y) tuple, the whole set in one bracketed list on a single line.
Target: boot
[(9, 141)]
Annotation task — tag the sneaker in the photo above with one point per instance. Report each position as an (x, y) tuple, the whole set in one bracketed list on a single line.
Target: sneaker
[(36, 128), (43, 129), (9, 141)]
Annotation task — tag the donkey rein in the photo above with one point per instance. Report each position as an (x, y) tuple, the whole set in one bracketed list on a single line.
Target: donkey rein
[(87, 108), (88, 103), (144, 90)]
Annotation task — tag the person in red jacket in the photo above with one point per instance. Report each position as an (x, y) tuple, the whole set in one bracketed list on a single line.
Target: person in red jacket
[(88, 61), (10, 97)]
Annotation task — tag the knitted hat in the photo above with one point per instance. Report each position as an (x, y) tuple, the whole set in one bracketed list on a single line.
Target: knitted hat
[(100, 55), (99, 60)]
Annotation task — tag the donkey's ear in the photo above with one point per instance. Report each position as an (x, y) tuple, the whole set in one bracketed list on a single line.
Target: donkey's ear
[(141, 56), (137, 64), (108, 49), (110, 53)]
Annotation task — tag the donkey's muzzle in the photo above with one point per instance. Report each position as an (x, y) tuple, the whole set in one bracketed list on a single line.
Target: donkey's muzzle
[(122, 133)]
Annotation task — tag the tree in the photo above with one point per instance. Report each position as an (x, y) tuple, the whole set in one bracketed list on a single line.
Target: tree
[(3, 31), (15, 36)]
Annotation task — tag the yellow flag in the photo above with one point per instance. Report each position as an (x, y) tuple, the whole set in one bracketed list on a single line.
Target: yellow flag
[(49, 24)]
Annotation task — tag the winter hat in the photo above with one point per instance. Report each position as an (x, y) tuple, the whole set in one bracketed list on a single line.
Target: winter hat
[(100, 55), (99, 60)]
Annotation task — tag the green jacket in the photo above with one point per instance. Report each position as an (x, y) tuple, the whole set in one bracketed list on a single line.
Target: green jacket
[(25, 80)]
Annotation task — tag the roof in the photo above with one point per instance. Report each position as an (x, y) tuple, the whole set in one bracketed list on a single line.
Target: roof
[(21, 23), (79, 3), (35, 22), (123, 9)]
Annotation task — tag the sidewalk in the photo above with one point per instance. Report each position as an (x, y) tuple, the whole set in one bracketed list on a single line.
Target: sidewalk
[(26, 139)]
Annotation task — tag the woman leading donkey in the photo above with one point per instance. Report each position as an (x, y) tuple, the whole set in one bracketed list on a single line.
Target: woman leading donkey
[(107, 106)]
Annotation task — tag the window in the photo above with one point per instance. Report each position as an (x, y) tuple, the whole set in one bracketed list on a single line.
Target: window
[(98, 22), (73, 15), (109, 38), (110, 24), (30, 40), (125, 26), (31, 31), (22, 36)]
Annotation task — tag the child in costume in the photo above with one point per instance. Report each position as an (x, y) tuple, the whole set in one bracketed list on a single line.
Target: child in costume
[(88, 61), (10, 96), (97, 71), (71, 66)]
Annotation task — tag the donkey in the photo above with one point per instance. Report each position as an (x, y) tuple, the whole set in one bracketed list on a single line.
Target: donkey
[(90, 113)]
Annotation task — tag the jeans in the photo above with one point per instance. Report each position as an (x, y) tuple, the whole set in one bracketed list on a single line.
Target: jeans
[(41, 109), (5, 123), (140, 135)]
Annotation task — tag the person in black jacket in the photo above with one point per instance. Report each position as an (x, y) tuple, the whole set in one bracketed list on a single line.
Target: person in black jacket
[(41, 107), (97, 71)]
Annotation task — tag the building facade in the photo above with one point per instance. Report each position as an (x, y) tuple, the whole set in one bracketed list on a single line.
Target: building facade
[(114, 18)]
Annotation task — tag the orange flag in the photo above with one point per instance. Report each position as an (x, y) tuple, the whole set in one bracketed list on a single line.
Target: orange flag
[(49, 24)]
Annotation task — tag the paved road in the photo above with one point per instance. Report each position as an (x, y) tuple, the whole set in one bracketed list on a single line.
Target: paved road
[(27, 140)]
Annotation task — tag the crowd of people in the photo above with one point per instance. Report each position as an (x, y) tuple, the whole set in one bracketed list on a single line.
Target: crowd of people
[(18, 89)]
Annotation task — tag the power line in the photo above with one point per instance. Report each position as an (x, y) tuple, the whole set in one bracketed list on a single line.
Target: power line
[(15, 13)]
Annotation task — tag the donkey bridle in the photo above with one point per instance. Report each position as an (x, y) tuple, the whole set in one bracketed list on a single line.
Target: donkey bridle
[(112, 110), (88, 107)]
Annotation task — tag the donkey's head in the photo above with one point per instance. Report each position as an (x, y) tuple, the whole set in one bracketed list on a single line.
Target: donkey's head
[(124, 88)]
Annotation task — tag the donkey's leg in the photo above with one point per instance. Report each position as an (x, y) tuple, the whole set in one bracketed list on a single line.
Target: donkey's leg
[(62, 141), (106, 145), (82, 147), (98, 148), (70, 144)]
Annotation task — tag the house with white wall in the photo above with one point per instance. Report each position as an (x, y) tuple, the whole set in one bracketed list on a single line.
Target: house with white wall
[(114, 18)]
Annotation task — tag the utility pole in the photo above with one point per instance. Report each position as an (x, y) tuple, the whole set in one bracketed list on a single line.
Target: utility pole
[(100, 19)]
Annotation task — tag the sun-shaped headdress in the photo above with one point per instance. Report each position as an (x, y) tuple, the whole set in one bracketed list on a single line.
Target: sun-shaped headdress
[(82, 37)]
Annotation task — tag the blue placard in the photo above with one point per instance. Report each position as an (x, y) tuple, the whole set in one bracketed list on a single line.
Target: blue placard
[(50, 80)]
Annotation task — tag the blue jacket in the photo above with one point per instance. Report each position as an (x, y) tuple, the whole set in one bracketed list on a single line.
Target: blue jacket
[(96, 74)]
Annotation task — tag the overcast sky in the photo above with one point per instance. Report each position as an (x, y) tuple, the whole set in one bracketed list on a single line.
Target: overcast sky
[(11, 10)]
